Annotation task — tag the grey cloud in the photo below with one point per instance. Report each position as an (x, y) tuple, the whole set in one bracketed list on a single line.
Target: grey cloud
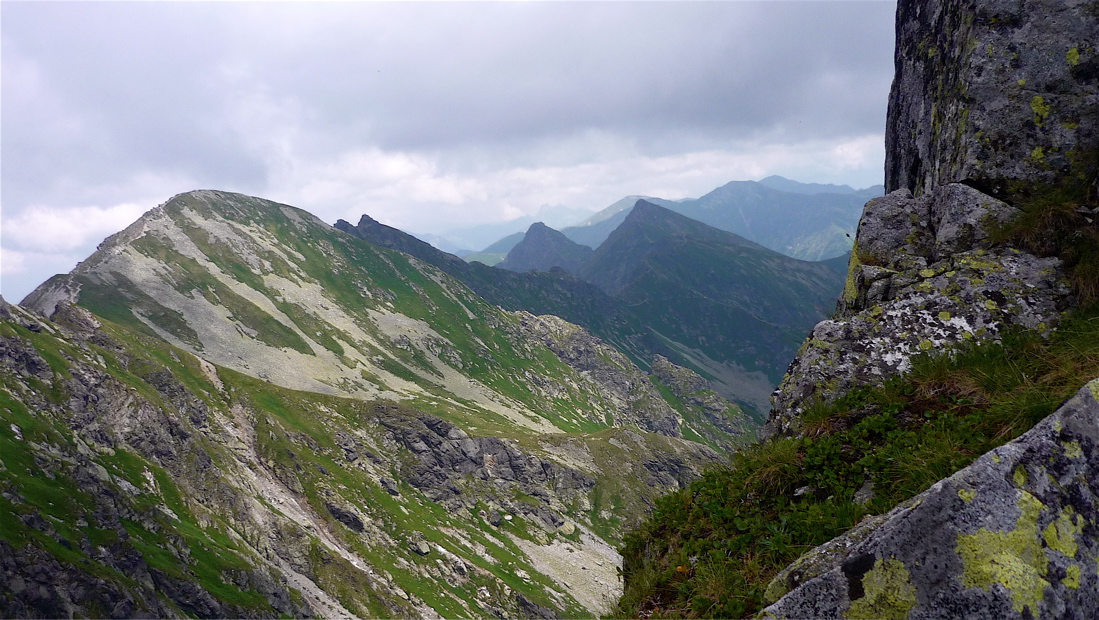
[(214, 92)]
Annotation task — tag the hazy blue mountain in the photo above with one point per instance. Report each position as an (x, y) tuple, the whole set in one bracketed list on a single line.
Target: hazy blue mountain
[(718, 297), (445, 244), (809, 221), (493, 254), (594, 230), (544, 248), (484, 235), (795, 187)]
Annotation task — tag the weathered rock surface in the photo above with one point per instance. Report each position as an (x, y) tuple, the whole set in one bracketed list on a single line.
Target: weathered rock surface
[(697, 394), (1014, 535), (993, 93), (912, 289)]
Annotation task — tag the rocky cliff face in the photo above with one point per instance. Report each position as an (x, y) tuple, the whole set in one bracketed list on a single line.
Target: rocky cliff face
[(993, 119), (1000, 95), (991, 100)]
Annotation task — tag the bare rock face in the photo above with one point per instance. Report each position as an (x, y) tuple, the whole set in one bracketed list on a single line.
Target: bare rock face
[(993, 102), (994, 93), (695, 392), (924, 278), (1014, 535)]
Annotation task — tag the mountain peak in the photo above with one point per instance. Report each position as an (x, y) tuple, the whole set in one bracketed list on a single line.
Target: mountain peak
[(544, 248)]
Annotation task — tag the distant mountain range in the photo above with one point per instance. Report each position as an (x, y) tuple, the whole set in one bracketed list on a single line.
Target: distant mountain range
[(465, 241), (810, 221), (727, 306)]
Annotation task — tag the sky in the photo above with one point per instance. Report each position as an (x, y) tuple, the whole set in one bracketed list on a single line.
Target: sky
[(426, 116)]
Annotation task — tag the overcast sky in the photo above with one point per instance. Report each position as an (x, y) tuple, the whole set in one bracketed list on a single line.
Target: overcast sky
[(425, 116)]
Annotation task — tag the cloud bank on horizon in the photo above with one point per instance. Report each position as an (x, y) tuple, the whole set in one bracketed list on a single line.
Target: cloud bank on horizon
[(426, 116)]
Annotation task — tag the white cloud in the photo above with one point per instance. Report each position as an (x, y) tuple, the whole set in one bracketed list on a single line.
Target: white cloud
[(45, 229), (12, 261)]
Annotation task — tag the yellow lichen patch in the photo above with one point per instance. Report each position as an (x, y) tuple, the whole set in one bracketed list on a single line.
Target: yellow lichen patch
[(1013, 558), (927, 273), (1072, 577), (1019, 476), (926, 345), (889, 592), (850, 289), (967, 495), (1061, 534), (775, 590), (944, 316), (991, 305), (1041, 109), (1093, 387), (1073, 56), (1073, 449)]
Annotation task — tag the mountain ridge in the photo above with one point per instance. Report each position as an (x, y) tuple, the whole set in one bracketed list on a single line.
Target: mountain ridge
[(383, 421)]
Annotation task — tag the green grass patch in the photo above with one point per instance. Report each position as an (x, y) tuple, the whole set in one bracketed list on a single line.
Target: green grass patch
[(711, 550)]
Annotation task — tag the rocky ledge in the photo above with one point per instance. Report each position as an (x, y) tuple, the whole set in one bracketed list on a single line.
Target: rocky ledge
[(925, 276)]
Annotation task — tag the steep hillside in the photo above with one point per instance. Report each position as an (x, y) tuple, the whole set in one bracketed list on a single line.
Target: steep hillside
[(557, 293), (139, 479), (733, 307), (542, 249), (536, 292), (595, 230), (447, 449)]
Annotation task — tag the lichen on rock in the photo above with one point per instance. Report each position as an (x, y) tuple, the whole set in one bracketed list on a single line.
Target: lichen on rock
[(987, 542)]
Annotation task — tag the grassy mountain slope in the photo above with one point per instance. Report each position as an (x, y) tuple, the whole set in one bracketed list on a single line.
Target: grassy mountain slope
[(371, 429), (713, 295), (138, 478), (536, 292), (559, 294)]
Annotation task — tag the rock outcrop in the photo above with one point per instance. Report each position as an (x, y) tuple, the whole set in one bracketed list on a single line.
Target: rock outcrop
[(994, 109), (1014, 535), (139, 480), (993, 103), (1001, 95), (925, 277), (623, 390)]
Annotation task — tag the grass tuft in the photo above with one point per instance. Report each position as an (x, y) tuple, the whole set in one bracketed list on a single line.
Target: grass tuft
[(711, 550)]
